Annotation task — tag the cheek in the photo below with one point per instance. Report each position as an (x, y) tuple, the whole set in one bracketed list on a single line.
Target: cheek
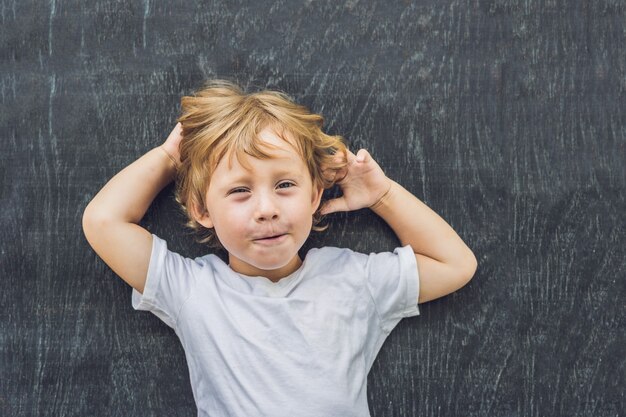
[(235, 209), (230, 217), (302, 212), (235, 216)]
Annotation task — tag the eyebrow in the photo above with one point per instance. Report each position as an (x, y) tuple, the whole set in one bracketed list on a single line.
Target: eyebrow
[(280, 173)]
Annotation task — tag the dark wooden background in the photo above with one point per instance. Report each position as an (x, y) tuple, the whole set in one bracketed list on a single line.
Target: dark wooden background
[(505, 117)]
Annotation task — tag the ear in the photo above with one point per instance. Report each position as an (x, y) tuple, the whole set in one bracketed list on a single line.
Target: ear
[(316, 198), (201, 216)]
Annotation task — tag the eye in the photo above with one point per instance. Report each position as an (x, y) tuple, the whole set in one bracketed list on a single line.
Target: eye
[(238, 190)]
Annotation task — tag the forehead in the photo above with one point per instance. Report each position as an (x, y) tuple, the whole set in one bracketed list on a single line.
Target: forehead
[(283, 157)]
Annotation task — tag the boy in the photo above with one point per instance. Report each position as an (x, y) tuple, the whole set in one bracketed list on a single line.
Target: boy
[(269, 334)]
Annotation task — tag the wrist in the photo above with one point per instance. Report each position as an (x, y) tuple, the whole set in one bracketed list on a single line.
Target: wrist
[(172, 161), (381, 201)]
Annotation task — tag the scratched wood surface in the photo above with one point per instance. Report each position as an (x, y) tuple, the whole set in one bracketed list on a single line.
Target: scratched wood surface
[(506, 117)]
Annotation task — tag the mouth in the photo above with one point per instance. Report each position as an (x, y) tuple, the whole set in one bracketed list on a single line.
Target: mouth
[(271, 239)]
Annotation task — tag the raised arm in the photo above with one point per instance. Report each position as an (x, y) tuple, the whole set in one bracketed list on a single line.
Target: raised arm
[(110, 220), (444, 262)]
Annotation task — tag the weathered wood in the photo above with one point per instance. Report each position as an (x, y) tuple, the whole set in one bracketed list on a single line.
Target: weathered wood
[(507, 118)]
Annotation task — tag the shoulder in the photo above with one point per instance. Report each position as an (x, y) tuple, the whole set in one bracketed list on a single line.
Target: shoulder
[(333, 251), (329, 251), (162, 253), (211, 264), (345, 258)]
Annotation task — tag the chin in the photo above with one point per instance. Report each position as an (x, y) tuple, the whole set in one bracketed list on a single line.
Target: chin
[(270, 266), (266, 262)]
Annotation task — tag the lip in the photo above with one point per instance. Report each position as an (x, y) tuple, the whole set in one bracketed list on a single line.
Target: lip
[(271, 241)]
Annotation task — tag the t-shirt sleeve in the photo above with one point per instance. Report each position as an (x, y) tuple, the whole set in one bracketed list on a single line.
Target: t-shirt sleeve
[(393, 281), (168, 284)]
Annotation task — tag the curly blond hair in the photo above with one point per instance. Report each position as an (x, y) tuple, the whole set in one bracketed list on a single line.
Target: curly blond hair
[(220, 118)]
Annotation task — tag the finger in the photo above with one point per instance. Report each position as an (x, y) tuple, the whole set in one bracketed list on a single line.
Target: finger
[(337, 159), (346, 156), (362, 155), (329, 174), (334, 205), (341, 175), (176, 133), (340, 156)]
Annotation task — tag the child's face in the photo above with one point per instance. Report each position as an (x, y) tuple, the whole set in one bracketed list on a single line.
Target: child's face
[(275, 198)]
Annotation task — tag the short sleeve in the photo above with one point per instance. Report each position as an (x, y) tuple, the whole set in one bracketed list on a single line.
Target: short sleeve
[(168, 284), (393, 281)]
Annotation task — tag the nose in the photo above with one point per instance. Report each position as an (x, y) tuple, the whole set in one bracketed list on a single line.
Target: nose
[(266, 207)]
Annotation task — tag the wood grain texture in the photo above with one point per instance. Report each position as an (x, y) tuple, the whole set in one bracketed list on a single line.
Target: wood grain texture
[(505, 117)]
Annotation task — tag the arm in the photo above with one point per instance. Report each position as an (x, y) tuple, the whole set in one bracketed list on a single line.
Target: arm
[(110, 220), (444, 262)]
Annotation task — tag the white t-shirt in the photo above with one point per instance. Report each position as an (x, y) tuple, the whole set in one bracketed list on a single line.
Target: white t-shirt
[(302, 346)]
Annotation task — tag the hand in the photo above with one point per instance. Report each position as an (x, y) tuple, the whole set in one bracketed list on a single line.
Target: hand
[(362, 183), (172, 143)]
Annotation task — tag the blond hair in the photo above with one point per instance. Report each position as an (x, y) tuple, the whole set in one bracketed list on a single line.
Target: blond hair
[(221, 119)]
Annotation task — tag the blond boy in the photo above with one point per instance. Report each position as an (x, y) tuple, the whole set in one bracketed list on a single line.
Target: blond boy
[(270, 334)]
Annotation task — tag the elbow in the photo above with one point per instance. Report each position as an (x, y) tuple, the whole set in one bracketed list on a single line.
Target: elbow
[(470, 267), (88, 218), (88, 224), (92, 221)]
